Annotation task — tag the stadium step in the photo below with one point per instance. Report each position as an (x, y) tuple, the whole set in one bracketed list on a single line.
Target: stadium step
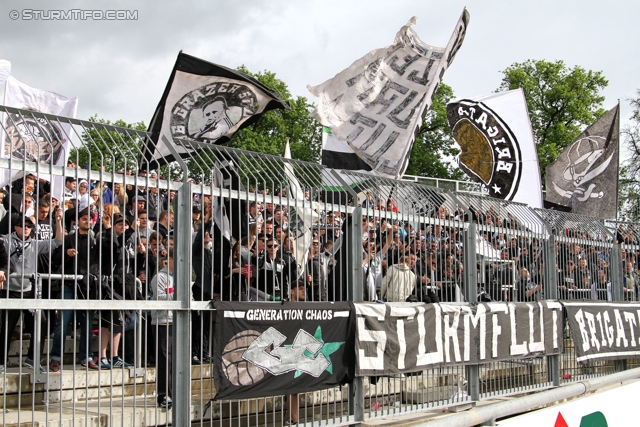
[(87, 385)]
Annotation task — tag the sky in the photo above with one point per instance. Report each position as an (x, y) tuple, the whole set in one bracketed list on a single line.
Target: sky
[(119, 68)]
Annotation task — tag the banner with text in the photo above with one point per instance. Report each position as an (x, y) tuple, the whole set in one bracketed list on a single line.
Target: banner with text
[(265, 349), (377, 104), (400, 338), (602, 330)]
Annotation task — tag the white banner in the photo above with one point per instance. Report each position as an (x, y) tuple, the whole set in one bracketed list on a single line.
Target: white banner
[(377, 104), (497, 147), (36, 140), (5, 71)]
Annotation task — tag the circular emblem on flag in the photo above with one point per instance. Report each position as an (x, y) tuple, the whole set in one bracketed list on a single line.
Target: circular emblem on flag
[(238, 371), (490, 153), (212, 111), (33, 139)]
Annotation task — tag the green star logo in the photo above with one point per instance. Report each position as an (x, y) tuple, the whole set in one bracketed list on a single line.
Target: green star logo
[(327, 349)]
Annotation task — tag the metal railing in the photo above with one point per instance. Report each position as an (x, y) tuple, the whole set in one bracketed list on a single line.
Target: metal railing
[(219, 213)]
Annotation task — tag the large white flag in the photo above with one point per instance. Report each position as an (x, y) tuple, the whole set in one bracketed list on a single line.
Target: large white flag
[(497, 147), (5, 71), (33, 139), (378, 103)]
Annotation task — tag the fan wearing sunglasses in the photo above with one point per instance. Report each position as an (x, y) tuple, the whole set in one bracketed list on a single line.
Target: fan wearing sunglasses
[(271, 274)]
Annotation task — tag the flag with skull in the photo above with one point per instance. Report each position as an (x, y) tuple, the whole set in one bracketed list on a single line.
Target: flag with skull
[(585, 176)]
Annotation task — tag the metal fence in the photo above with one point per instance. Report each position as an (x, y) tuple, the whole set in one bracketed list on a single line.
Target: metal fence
[(129, 260)]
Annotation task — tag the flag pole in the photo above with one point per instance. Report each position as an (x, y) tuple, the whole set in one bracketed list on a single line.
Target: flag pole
[(618, 175)]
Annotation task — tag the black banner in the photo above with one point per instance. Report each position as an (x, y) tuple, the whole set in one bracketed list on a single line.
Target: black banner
[(402, 338), (270, 349), (604, 330)]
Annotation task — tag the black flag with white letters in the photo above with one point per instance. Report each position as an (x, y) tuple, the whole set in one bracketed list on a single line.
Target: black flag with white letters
[(270, 349), (207, 103)]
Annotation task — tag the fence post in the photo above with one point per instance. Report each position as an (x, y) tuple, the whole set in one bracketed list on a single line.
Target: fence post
[(617, 272), (549, 257), (471, 295), (181, 339), (615, 266), (356, 390)]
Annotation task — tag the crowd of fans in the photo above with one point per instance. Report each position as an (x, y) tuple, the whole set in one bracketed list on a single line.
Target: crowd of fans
[(119, 239)]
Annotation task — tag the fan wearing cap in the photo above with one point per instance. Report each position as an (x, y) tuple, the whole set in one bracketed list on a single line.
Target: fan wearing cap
[(23, 254), (138, 203), (196, 217)]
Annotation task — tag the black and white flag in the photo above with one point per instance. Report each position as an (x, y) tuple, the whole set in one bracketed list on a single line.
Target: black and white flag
[(497, 149), (338, 154), (378, 103), (270, 349), (207, 103), (585, 176)]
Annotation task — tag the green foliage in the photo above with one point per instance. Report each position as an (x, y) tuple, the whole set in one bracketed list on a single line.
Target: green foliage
[(111, 149), (269, 134), (561, 102), (434, 146)]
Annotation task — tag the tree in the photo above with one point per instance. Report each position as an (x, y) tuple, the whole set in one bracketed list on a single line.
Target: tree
[(269, 134), (434, 146), (561, 102), (112, 149), (630, 174)]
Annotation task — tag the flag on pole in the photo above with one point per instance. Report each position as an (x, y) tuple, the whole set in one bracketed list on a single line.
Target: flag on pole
[(497, 147), (304, 213), (338, 154), (207, 103), (585, 176), (377, 104), (36, 139)]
